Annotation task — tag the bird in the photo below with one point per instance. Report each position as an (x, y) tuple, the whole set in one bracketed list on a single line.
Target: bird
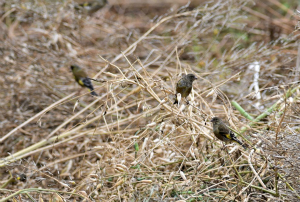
[(14, 179), (90, 6), (82, 79), (20, 177), (184, 86), (223, 133)]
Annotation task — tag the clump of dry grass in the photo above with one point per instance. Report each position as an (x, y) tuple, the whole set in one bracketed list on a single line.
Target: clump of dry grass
[(132, 143)]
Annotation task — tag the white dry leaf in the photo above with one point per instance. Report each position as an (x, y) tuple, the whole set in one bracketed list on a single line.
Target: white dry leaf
[(54, 38), (98, 186), (151, 124), (39, 123), (145, 181), (93, 175), (69, 166), (146, 107), (178, 98), (171, 176), (111, 74), (72, 51), (75, 105), (226, 176), (144, 143), (134, 163), (7, 59), (290, 100), (182, 107), (210, 93), (161, 128), (139, 104), (215, 95), (182, 175), (156, 140), (27, 83), (93, 179), (83, 193), (192, 96), (57, 197), (121, 168), (255, 66), (165, 160), (163, 101), (98, 155), (233, 149), (192, 153), (151, 155), (99, 147), (65, 185), (172, 155), (25, 49)]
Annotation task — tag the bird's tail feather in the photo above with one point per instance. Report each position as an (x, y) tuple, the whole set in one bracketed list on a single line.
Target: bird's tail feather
[(176, 100), (94, 94), (87, 83), (239, 142)]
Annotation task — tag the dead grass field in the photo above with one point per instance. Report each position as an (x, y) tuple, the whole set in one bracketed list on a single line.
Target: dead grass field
[(131, 143)]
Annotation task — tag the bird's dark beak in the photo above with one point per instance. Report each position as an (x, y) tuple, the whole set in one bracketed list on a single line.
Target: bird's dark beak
[(196, 78)]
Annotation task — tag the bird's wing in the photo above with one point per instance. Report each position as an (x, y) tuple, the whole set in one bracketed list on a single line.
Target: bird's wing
[(224, 131), (87, 83), (181, 84), (233, 137)]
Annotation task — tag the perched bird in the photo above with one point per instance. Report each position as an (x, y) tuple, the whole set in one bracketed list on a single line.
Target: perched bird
[(14, 179), (222, 132), (184, 86), (90, 6), (82, 78), (20, 177)]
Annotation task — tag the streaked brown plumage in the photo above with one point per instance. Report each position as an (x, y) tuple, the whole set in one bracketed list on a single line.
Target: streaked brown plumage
[(222, 132), (184, 86)]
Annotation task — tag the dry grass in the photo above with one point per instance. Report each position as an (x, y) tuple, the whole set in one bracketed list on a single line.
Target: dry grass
[(132, 143)]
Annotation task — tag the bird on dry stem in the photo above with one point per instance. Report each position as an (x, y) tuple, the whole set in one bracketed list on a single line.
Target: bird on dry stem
[(222, 132), (184, 86), (82, 79)]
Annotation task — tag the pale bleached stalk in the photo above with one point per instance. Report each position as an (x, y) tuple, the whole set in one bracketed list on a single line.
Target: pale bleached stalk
[(37, 115), (134, 45), (23, 153), (73, 117), (254, 171)]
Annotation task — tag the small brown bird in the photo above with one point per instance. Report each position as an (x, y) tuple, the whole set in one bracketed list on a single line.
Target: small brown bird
[(82, 79), (184, 86), (222, 132)]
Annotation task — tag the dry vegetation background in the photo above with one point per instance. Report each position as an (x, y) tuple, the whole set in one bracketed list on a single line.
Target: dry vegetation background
[(132, 143)]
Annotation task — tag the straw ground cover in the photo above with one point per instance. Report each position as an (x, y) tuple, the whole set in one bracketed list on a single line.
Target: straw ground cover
[(131, 143)]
